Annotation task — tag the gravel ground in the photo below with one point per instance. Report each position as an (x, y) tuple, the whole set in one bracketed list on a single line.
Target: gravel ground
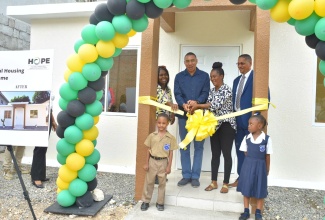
[(282, 203)]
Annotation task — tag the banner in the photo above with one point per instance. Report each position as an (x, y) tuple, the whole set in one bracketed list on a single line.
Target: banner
[(25, 97)]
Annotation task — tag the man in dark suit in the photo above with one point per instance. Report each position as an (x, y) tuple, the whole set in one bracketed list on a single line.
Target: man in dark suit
[(242, 91)]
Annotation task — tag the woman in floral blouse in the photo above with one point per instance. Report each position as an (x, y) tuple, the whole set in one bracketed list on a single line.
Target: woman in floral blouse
[(219, 103), (164, 94)]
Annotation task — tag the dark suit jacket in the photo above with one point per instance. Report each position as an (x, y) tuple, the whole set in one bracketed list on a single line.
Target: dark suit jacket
[(245, 100)]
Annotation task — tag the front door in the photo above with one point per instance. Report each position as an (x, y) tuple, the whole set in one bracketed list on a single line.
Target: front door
[(19, 118), (207, 55)]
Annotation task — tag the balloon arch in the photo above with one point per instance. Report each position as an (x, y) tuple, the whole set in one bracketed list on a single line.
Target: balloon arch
[(109, 29)]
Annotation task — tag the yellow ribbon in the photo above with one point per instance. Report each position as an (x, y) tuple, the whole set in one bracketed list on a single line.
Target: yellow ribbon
[(149, 100), (201, 126)]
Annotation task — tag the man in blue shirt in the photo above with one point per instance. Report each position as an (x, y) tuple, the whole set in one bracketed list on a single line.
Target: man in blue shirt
[(191, 85)]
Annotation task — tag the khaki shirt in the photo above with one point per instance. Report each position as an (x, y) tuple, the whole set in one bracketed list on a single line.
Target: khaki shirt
[(160, 147)]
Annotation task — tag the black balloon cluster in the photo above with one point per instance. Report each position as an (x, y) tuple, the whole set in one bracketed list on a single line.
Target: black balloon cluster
[(313, 42)]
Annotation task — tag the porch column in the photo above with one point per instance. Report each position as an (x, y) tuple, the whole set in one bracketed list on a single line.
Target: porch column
[(147, 87), (261, 62)]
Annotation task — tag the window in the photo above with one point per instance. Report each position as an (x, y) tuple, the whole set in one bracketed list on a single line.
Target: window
[(7, 114), (320, 97), (33, 113), (121, 82)]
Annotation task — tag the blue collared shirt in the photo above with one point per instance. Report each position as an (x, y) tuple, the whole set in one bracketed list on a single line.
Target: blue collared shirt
[(187, 87)]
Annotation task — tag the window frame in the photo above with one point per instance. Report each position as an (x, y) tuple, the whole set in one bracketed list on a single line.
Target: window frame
[(4, 114), (30, 113)]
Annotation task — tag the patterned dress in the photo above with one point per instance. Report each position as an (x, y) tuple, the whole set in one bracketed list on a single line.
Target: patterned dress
[(163, 96)]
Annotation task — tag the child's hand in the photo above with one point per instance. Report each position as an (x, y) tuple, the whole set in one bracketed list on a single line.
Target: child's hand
[(167, 170), (146, 167)]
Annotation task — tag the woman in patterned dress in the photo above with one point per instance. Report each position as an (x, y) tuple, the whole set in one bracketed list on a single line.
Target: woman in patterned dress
[(219, 103)]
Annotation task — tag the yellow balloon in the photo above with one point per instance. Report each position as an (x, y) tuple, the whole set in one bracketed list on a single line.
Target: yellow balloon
[(301, 9), (279, 12), (105, 49), (67, 73), (320, 7), (61, 184), (85, 147), (75, 63), (66, 174), (88, 53), (131, 33), (91, 134), (58, 190), (120, 40), (75, 161), (96, 119)]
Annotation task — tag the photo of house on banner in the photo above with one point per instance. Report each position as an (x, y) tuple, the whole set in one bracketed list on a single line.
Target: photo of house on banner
[(24, 113), (25, 103)]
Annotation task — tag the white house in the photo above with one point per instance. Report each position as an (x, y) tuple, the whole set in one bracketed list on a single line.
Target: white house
[(298, 138)]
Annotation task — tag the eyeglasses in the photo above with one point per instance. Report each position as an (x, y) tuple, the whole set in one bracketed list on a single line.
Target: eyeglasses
[(241, 64)]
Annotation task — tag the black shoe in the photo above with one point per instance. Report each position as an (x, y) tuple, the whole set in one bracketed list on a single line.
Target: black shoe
[(183, 182), (160, 207), (258, 217), (144, 206), (46, 179), (244, 216), (37, 185)]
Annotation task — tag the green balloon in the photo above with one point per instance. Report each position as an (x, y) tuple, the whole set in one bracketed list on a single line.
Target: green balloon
[(182, 3), (87, 173), (65, 198), (105, 63), (291, 21), (320, 29), (105, 30), (306, 26), (321, 67), (88, 34), (64, 148), (77, 81), (78, 187), (163, 3), (93, 158), (122, 24), (266, 4), (91, 71), (144, 1), (67, 93), (117, 53), (73, 134), (95, 142), (94, 108), (78, 44), (141, 24), (63, 104), (61, 159), (85, 121), (99, 94), (252, 1)]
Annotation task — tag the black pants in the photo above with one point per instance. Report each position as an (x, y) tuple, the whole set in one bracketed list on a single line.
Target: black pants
[(221, 141)]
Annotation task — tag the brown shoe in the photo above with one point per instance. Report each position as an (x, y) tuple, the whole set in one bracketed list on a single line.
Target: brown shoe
[(211, 187), (234, 184), (224, 188)]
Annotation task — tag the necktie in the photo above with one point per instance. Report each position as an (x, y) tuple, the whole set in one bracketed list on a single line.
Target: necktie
[(240, 91)]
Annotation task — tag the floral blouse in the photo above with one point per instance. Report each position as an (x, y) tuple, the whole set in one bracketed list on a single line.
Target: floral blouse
[(221, 104), (163, 96)]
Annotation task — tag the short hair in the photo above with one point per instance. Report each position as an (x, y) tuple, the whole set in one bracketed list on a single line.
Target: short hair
[(163, 115), (260, 118), (246, 57), (190, 54), (163, 68)]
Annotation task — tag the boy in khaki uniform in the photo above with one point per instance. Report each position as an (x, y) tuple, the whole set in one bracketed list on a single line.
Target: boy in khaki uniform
[(158, 162)]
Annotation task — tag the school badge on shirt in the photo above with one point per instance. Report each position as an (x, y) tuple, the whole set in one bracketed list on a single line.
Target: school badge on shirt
[(262, 148), (166, 147)]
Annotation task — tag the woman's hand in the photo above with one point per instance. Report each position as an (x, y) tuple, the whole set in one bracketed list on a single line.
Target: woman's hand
[(172, 118), (193, 106)]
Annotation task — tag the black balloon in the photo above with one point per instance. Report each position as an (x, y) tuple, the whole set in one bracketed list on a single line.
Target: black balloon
[(311, 41), (102, 13), (60, 131), (64, 119), (85, 200), (320, 50), (116, 7), (97, 85), (104, 73), (237, 2), (135, 10), (96, 166), (87, 95), (76, 108), (152, 11), (92, 184), (93, 20)]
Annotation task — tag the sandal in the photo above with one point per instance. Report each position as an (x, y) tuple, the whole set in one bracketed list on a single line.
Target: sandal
[(211, 187), (224, 188)]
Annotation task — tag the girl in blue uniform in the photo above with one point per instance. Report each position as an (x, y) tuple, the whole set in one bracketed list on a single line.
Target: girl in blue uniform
[(253, 176)]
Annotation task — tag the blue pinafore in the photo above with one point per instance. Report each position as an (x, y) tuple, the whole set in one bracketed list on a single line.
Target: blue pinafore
[(253, 175)]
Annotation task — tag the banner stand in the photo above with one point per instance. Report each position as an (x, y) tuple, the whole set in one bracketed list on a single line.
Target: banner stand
[(25, 193)]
